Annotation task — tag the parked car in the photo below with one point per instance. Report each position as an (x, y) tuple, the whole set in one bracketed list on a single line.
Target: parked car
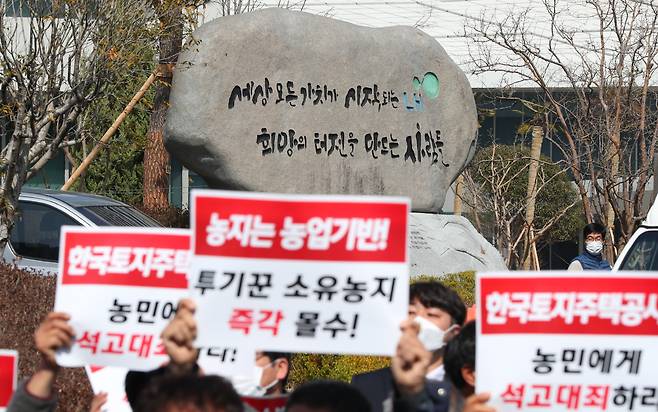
[(34, 240), (641, 252)]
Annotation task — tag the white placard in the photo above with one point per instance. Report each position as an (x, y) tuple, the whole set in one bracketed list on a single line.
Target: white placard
[(111, 380), (563, 341), (121, 287), (324, 274)]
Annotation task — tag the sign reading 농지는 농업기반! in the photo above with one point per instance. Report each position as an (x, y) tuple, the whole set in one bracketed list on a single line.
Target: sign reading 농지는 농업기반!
[(300, 273), (568, 341), (121, 286)]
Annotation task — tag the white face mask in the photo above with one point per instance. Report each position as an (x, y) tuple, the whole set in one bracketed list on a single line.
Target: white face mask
[(594, 247), (250, 385), (430, 335)]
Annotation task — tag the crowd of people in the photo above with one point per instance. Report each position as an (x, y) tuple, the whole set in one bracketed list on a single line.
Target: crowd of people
[(432, 370)]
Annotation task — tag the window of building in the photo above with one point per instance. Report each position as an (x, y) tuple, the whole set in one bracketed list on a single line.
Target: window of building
[(27, 8)]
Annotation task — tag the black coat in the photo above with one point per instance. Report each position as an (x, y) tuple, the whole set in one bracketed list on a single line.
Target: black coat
[(379, 388)]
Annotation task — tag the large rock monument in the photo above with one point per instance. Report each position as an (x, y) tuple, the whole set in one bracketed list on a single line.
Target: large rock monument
[(290, 102)]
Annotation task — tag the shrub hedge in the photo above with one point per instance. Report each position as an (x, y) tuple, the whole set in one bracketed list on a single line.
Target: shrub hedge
[(25, 299)]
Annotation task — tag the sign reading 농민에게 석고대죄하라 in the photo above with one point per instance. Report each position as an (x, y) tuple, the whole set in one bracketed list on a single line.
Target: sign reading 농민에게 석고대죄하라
[(568, 341), (121, 287)]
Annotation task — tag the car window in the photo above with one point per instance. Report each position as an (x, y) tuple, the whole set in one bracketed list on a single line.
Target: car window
[(115, 215), (36, 231), (643, 254)]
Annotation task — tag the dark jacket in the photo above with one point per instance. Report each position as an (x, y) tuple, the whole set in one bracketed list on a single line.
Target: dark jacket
[(592, 262), (379, 388), (23, 401)]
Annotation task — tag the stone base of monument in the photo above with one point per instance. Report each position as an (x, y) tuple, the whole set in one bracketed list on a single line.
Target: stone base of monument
[(442, 244)]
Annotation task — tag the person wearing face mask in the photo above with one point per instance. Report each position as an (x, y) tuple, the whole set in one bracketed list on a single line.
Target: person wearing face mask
[(436, 313), (592, 257), (269, 378)]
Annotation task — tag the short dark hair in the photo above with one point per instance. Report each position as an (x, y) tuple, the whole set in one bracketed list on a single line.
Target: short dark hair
[(278, 355), (136, 382), (460, 353), (435, 295), (332, 396), (207, 393), (281, 355), (594, 228)]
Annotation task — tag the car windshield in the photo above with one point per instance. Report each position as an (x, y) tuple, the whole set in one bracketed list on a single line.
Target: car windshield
[(643, 254), (117, 215)]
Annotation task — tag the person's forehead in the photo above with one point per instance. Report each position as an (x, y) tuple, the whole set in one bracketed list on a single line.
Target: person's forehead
[(418, 305), (262, 355)]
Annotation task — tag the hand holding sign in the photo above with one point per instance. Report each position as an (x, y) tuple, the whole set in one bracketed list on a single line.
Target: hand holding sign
[(98, 402), (53, 334), (411, 360), (179, 335)]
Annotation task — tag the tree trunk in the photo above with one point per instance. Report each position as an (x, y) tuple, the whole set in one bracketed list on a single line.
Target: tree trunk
[(156, 158), (535, 153)]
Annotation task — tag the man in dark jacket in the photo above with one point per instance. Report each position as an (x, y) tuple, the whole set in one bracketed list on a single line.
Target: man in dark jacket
[(435, 315)]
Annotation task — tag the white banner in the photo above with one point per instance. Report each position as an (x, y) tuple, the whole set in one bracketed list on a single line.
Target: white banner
[(568, 341), (324, 274), (110, 380), (121, 287)]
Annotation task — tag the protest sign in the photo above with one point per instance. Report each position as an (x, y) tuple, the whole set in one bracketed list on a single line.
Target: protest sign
[(568, 341), (267, 404), (226, 361), (324, 274), (8, 374), (120, 286), (110, 380)]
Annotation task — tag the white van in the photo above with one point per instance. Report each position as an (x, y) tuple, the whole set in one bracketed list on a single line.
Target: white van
[(641, 252)]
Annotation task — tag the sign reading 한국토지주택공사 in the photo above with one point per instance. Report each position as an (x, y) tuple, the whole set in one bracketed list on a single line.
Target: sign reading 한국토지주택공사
[(300, 273), (120, 286), (563, 341)]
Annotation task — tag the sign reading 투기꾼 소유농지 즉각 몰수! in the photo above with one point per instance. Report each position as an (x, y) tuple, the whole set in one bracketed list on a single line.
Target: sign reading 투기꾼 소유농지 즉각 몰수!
[(300, 273), (564, 341), (121, 287)]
